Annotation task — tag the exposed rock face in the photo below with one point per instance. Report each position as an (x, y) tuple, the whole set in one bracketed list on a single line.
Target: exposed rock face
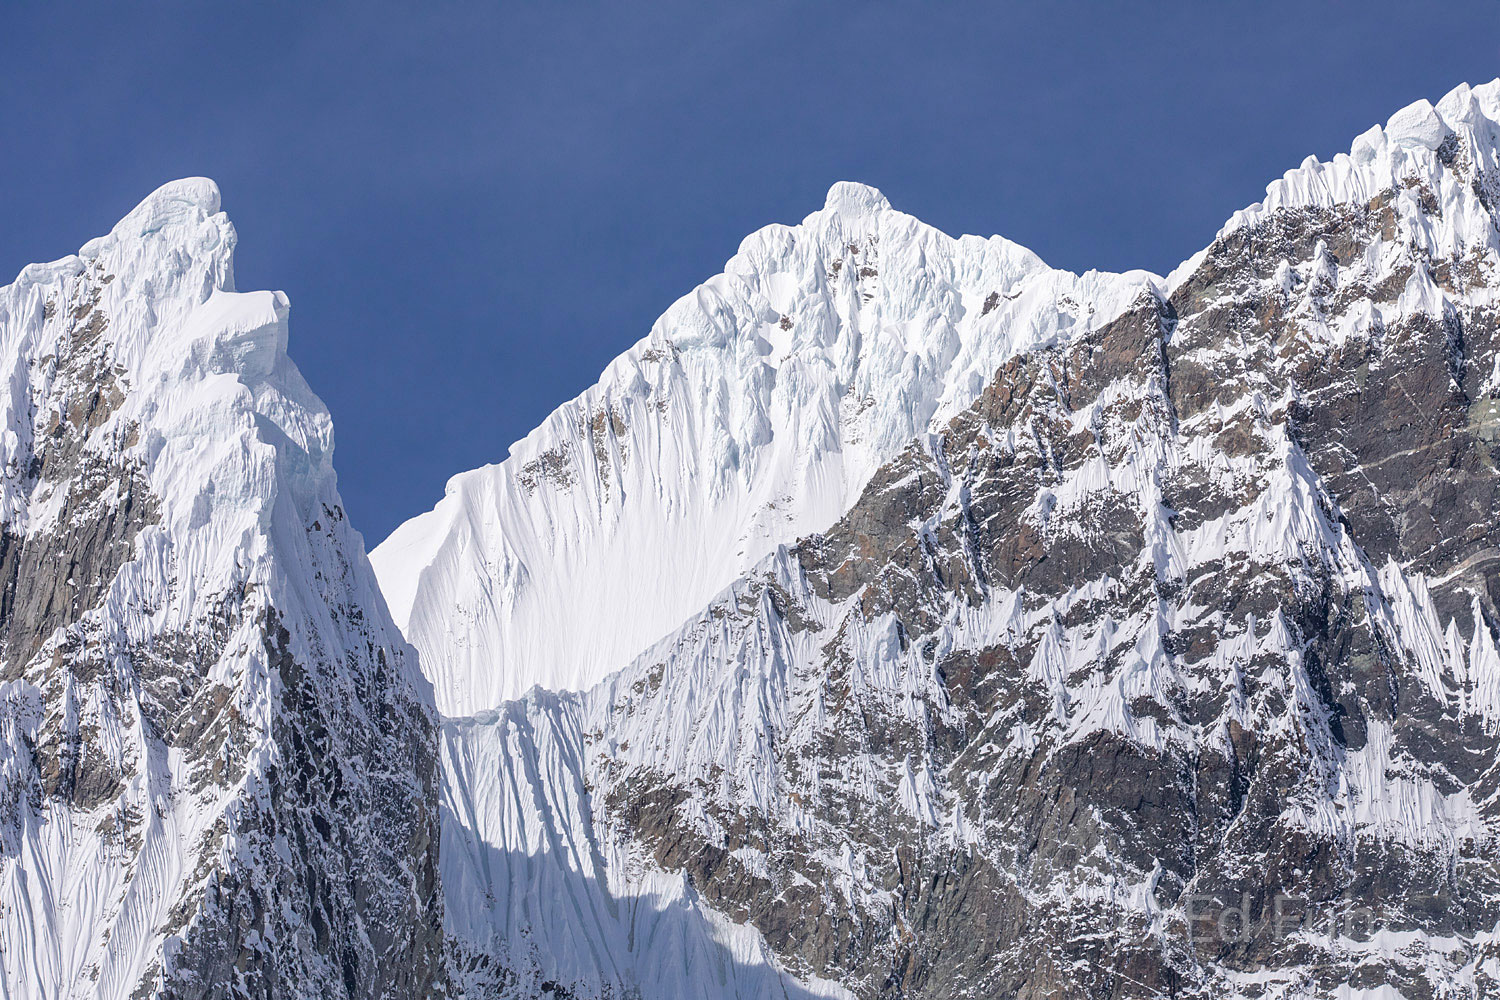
[(1166, 667), (217, 759)]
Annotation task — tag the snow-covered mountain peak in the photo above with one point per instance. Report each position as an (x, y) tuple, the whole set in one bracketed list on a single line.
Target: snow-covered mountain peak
[(181, 203), (181, 219), (754, 412), (191, 640), (151, 309), (852, 199)]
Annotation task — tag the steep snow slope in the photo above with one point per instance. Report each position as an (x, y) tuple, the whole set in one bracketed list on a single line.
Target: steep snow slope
[(217, 757), (1166, 667), (753, 413)]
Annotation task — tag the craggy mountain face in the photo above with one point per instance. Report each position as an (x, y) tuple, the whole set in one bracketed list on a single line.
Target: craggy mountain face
[(901, 618), (1163, 665), (217, 759)]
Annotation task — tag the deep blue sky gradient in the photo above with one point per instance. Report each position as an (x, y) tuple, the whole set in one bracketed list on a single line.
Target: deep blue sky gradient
[(474, 207)]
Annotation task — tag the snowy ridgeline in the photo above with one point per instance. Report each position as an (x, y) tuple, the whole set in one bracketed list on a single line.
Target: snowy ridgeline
[(900, 616)]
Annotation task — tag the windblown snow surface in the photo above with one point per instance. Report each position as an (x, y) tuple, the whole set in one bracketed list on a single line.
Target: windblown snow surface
[(904, 617)]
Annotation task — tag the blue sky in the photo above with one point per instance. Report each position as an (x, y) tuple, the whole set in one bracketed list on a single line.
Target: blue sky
[(473, 207)]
